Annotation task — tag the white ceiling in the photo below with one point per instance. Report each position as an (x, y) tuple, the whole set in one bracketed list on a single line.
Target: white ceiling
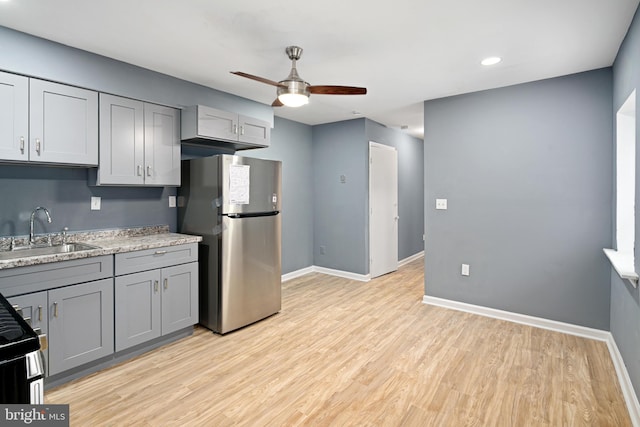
[(403, 51)]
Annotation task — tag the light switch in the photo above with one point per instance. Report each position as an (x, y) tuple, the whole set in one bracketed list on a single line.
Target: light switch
[(95, 203), (465, 269), (172, 201), (441, 204)]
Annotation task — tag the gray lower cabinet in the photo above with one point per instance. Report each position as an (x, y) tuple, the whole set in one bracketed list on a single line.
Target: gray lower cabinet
[(34, 309), (137, 308), (80, 324), (153, 297)]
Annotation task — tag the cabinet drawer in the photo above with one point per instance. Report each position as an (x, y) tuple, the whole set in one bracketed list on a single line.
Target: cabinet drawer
[(34, 278), (148, 259)]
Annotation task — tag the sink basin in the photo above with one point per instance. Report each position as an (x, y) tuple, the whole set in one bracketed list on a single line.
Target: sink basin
[(46, 250)]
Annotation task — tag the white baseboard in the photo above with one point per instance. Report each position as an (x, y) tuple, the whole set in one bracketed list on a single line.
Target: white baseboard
[(567, 328), (628, 391), (297, 273), (633, 406), (412, 258), (340, 273), (328, 271)]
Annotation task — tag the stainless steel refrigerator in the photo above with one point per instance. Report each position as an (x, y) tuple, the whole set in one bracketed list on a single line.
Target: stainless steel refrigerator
[(233, 202)]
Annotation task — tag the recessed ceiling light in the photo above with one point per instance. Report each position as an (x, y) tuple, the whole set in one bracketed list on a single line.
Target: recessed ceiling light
[(492, 60)]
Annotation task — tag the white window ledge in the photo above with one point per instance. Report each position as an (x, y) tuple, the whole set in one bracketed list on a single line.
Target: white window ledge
[(622, 262)]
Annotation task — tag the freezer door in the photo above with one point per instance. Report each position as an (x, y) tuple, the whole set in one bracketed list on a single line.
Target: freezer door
[(250, 276), (250, 185)]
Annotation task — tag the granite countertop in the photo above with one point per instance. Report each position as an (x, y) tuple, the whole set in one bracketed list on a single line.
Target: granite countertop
[(106, 242)]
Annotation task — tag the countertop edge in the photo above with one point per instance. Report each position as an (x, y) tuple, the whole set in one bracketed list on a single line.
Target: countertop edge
[(106, 247)]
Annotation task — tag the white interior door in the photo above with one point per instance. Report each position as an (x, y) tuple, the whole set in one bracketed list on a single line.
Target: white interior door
[(383, 209)]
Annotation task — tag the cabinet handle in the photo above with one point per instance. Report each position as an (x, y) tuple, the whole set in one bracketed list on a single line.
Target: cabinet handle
[(235, 129), (27, 319), (166, 284), (39, 313), (155, 286), (161, 252), (139, 169), (22, 144), (38, 146), (18, 309), (148, 170), (241, 130), (55, 309)]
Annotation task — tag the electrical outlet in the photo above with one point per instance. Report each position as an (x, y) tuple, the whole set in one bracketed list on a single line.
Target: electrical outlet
[(172, 201), (95, 203), (465, 269), (323, 249), (441, 204)]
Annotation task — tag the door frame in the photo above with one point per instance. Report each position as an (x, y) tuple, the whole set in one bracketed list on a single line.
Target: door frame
[(373, 144)]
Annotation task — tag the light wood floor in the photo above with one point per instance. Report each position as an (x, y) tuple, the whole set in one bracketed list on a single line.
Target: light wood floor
[(346, 353)]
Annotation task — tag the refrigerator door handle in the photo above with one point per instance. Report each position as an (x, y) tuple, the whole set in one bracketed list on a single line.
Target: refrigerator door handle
[(252, 215)]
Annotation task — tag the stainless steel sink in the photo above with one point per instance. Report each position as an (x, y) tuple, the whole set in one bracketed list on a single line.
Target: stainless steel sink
[(28, 251)]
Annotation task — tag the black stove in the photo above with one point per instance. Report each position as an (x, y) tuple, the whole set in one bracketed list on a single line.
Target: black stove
[(19, 346)]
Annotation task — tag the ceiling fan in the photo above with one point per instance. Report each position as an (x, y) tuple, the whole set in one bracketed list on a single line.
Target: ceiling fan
[(295, 92)]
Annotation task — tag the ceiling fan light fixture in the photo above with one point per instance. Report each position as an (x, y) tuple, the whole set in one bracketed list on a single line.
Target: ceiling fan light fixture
[(492, 60), (293, 93), (293, 99)]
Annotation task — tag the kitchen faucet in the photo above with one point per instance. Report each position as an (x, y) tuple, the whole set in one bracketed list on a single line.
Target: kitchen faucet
[(32, 240)]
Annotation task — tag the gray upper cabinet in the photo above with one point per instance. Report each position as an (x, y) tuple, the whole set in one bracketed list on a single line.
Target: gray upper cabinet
[(121, 141), (139, 143), (14, 117), (80, 324), (63, 124), (47, 122), (254, 131), (161, 145), (202, 123)]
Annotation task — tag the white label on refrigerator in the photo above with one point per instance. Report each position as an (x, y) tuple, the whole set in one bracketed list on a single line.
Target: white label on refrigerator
[(239, 184)]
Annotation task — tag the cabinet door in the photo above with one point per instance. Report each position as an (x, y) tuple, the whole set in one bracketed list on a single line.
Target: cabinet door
[(137, 308), (161, 145), (14, 117), (80, 324), (179, 297), (218, 124), (34, 307), (254, 131), (63, 124), (121, 141)]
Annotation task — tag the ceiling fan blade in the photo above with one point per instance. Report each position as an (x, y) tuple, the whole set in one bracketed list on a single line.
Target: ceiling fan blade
[(257, 78), (277, 103), (338, 90)]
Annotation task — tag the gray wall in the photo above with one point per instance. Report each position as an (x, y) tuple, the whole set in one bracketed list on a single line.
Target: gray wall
[(340, 209), (527, 171), (341, 224), (291, 143), (36, 57), (625, 300), (65, 193)]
